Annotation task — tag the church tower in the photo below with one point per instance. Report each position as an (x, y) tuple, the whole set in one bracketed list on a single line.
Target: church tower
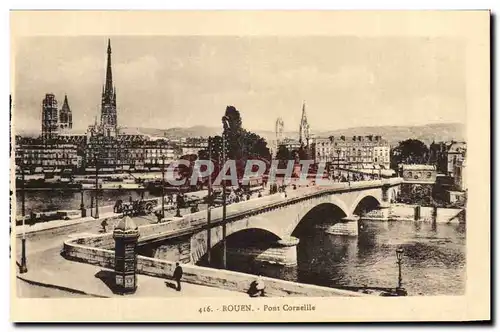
[(304, 134), (65, 116), (50, 128), (108, 104)]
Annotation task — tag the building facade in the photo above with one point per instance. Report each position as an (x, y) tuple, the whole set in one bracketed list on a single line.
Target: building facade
[(455, 155), (460, 174), (39, 157), (356, 152)]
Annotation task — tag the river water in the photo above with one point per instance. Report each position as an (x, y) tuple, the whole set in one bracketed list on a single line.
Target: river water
[(51, 200), (433, 261)]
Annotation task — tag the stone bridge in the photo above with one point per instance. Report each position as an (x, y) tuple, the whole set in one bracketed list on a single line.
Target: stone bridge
[(276, 218)]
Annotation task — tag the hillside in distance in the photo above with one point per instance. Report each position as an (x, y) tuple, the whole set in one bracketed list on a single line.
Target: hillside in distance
[(394, 134)]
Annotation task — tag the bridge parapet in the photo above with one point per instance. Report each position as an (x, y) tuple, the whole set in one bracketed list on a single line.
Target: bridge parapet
[(244, 209)]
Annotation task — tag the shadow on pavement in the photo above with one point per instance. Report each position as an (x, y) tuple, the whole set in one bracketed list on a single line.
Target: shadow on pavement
[(108, 278), (171, 284)]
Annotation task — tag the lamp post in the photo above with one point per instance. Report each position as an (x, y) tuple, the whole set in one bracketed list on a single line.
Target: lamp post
[(209, 240), (399, 256), (178, 212), (82, 205), (96, 216), (338, 163), (23, 268), (225, 124), (163, 186), (23, 192)]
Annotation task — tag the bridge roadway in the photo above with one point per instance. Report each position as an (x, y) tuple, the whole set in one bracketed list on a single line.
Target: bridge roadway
[(196, 222)]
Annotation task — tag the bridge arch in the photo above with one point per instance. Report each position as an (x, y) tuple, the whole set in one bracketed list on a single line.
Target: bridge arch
[(325, 212), (365, 202), (258, 239)]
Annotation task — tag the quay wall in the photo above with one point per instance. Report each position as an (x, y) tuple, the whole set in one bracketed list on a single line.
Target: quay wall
[(407, 212), (224, 279)]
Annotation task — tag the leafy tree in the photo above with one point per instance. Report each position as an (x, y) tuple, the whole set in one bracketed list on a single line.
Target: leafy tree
[(240, 143), (283, 153), (410, 151)]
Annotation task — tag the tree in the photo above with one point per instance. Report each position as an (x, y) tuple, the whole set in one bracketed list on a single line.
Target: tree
[(410, 151), (240, 143), (283, 153), (235, 134)]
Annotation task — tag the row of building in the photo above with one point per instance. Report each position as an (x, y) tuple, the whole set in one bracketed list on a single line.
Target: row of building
[(359, 152), (109, 153)]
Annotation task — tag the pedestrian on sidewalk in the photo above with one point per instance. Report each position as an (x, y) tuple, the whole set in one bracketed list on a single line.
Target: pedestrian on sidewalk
[(104, 224), (178, 275)]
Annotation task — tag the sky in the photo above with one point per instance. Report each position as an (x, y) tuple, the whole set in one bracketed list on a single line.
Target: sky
[(182, 81)]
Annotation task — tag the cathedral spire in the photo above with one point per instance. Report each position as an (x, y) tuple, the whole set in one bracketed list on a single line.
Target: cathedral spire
[(108, 102), (304, 127), (65, 104), (108, 90)]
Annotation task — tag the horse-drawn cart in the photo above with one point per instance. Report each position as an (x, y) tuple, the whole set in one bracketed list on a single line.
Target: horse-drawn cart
[(137, 207)]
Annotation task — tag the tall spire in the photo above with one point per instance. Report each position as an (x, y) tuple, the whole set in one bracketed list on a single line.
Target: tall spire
[(304, 117), (304, 127), (65, 104), (108, 102), (108, 90)]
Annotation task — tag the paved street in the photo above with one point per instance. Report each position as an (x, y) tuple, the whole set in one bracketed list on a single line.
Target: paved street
[(54, 238), (28, 290), (50, 268), (46, 266)]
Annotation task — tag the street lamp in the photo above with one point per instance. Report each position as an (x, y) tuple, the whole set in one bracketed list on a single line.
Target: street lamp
[(209, 239), (225, 125), (96, 216), (23, 268), (399, 255), (82, 205), (163, 186), (338, 163), (178, 214)]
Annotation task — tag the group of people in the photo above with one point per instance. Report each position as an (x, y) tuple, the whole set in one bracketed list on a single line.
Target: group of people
[(256, 289), (354, 177), (239, 195)]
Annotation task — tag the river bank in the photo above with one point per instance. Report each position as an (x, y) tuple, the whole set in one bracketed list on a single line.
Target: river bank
[(408, 212)]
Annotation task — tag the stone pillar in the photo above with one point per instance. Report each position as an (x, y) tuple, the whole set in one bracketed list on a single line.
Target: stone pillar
[(283, 252), (347, 226), (286, 250), (125, 235)]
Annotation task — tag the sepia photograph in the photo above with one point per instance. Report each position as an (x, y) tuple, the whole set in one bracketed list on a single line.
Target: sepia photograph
[(264, 170)]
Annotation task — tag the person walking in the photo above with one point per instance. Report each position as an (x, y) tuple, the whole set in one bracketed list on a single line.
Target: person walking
[(178, 275)]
